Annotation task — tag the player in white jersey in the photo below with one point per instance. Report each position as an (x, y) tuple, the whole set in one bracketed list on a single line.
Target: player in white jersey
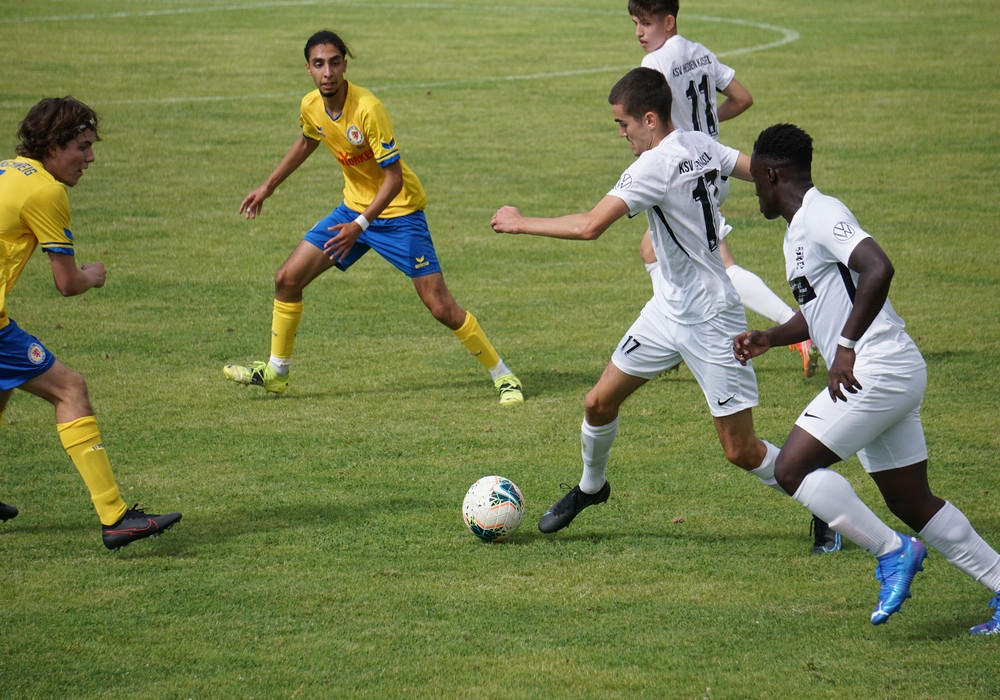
[(695, 311), (871, 406), (696, 77)]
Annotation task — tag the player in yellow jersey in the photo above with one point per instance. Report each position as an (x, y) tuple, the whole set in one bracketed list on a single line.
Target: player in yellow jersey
[(57, 145), (382, 211)]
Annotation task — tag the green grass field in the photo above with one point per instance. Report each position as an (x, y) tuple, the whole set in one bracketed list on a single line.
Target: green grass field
[(322, 553)]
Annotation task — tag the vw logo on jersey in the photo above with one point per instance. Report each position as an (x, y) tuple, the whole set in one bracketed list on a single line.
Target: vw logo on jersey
[(36, 354), (354, 135), (625, 182), (843, 231)]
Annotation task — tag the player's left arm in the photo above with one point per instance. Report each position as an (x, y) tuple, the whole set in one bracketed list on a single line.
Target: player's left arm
[(738, 100), (583, 226), (875, 272)]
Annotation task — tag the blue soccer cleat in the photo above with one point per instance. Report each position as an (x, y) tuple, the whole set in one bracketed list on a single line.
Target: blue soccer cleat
[(991, 626), (895, 571)]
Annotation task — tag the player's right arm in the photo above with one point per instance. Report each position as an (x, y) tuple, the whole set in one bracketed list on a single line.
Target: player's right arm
[(72, 280), (302, 148)]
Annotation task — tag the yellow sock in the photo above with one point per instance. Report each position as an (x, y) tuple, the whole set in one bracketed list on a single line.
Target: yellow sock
[(476, 342), (284, 323), (82, 441)]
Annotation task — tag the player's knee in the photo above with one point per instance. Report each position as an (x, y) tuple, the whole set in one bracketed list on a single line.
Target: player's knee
[(599, 411), (72, 391), (286, 282), (788, 475)]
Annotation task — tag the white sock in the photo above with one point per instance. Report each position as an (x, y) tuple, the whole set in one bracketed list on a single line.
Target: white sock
[(765, 472), (951, 533), (597, 442), (829, 496), (499, 370), (757, 296), (280, 364)]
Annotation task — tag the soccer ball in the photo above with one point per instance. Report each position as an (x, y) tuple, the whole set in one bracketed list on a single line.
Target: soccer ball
[(493, 508)]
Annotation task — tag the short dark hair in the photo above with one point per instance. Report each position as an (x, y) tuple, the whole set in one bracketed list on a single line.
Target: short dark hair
[(325, 36), (54, 121), (653, 8), (785, 144), (643, 90)]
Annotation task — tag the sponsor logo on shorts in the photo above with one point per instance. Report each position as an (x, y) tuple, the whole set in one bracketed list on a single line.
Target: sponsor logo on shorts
[(723, 403), (36, 354), (420, 262)]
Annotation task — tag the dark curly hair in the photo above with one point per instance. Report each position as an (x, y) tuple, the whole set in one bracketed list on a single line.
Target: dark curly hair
[(786, 144), (54, 121)]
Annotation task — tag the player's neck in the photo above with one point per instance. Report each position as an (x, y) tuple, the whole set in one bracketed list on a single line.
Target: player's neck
[(335, 103), (791, 200)]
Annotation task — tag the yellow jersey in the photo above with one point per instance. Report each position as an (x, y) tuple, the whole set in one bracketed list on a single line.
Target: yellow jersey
[(34, 210), (362, 139)]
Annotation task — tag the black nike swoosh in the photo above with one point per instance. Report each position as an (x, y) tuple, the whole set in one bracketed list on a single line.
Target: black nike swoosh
[(807, 414), (723, 403)]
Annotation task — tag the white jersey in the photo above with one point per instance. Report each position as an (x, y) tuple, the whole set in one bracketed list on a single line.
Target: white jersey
[(676, 184), (694, 75), (818, 244)]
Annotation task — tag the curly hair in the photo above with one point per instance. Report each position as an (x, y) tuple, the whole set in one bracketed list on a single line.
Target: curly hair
[(786, 144), (54, 121)]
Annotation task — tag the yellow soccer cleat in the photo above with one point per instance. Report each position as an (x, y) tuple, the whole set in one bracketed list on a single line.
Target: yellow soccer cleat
[(510, 389), (257, 374)]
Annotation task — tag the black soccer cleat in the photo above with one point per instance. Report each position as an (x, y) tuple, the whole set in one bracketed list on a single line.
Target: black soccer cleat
[(566, 508), (7, 512), (825, 538), (136, 524)]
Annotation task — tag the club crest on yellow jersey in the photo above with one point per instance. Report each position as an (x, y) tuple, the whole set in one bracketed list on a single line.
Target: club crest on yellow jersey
[(354, 135)]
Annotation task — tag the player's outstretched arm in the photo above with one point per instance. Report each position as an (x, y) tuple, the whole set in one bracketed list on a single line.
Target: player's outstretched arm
[(302, 148), (583, 226)]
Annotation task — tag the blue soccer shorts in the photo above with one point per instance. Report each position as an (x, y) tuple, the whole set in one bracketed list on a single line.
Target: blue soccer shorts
[(405, 241), (22, 357)]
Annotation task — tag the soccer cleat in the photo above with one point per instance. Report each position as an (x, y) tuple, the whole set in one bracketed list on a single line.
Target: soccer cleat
[(825, 538), (136, 524), (809, 354), (7, 512), (258, 374), (896, 570), (991, 626), (568, 507), (509, 387)]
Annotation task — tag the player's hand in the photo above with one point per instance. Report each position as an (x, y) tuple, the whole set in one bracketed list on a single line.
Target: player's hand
[(841, 374), (346, 235), (505, 220), (252, 203), (750, 344), (95, 273)]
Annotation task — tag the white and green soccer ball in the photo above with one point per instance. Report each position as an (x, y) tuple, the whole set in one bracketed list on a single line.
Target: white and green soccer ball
[(493, 508)]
